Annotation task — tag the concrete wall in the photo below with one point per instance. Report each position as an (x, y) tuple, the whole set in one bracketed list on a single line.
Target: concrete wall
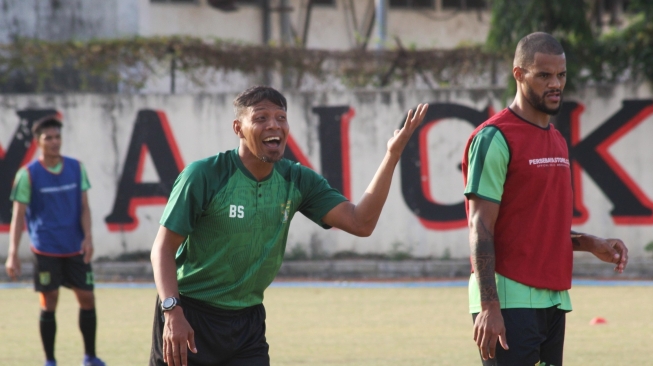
[(133, 147), (62, 20), (331, 27)]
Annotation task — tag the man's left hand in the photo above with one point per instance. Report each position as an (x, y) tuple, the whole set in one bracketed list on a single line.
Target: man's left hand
[(611, 251), (87, 249)]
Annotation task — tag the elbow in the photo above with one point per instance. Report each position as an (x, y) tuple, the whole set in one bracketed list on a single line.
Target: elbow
[(365, 231), (365, 234)]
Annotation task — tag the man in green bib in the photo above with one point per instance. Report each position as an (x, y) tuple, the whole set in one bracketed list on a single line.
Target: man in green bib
[(223, 234)]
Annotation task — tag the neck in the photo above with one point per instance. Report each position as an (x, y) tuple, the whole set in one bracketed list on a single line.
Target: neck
[(50, 160), (526, 111), (254, 165)]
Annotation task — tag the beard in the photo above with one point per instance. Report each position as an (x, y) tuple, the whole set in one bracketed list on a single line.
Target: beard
[(539, 102), (269, 159)]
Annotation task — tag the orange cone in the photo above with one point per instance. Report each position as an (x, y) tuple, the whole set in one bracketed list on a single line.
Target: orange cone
[(598, 320)]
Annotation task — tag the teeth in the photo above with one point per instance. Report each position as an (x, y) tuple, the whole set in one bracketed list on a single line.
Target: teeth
[(272, 139)]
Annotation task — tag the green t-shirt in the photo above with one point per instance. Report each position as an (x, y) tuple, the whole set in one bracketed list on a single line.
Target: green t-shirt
[(488, 157), (236, 227), (22, 188)]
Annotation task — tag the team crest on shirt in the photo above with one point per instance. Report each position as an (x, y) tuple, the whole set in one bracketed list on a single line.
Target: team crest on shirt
[(44, 278), (286, 212)]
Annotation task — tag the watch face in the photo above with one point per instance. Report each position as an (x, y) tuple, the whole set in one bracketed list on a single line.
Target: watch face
[(168, 303)]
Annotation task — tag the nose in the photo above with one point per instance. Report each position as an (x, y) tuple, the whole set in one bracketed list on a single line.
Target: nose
[(555, 82), (273, 124)]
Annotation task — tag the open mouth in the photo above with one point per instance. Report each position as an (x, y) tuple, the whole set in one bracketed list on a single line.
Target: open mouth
[(272, 142), (553, 96)]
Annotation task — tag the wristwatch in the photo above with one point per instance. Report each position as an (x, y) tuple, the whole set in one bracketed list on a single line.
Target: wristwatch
[(169, 303)]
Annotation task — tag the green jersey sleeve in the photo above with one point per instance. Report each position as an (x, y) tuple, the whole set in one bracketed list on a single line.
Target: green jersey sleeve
[(488, 157), (22, 188), (318, 197), (187, 200), (86, 184)]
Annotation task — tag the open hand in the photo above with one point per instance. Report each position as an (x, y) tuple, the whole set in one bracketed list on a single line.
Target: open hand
[(398, 142)]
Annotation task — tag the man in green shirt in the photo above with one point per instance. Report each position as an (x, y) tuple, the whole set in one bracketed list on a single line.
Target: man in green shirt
[(223, 234)]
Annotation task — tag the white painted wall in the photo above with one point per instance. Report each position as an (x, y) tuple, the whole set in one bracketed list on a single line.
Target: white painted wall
[(98, 129), (329, 28)]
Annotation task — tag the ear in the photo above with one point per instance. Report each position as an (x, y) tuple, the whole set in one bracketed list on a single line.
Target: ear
[(518, 73), (237, 130)]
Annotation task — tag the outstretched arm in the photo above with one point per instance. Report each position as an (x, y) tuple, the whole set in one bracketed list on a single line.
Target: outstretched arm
[(488, 326), (12, 266), (607, 250), (360, 219), (177, 333)]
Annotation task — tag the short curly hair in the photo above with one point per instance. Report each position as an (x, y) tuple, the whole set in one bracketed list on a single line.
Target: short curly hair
[(45, 122), (257, 94)]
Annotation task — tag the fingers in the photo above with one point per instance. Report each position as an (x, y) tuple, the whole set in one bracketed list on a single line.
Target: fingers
[(172, 354), (492, 346), (87, 257), (484, 340), (622, 255), (409, 117), (503, 341), (191, 342), (183, 352), (175, 354), (166, 347), (13, 272), (488, 332), (413, 119), (88, 253)]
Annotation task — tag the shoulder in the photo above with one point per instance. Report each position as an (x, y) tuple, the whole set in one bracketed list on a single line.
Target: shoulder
[(71, 163), (69, 160), (555, 131), (32, 165), (22, 174), (216, 166), (505, 116), (489, 135), (294, 171)]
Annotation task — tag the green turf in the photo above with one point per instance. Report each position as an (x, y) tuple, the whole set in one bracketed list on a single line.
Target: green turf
[(338, 326)]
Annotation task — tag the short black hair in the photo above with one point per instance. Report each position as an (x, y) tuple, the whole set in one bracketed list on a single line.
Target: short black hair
[(45, 122), (257, 94), (536, 42)]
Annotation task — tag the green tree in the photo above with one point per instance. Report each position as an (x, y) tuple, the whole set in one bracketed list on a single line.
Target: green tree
[(566, 20), (593, 52)]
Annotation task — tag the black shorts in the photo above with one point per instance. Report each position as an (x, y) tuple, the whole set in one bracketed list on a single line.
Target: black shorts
[(222, 337), (52, 272), (533, 335)]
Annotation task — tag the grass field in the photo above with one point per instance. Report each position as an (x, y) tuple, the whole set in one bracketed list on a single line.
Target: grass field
[(338, 326)]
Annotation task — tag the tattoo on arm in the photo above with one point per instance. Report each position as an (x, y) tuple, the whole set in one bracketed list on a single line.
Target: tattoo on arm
[(484, 260)]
